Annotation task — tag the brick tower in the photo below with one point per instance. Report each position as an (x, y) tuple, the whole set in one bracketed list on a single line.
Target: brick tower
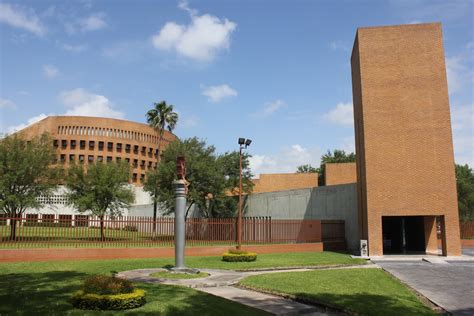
[(405, 161)]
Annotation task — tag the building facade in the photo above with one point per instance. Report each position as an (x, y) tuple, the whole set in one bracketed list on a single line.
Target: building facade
[(87, 140), (284, 181), (340, 173), (405, 160)]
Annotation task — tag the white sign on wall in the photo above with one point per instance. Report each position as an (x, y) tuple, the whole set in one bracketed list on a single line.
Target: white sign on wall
[(364, 250)]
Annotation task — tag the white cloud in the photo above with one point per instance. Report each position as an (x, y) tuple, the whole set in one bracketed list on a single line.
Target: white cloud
[(269, 109), (31, 121), (217, 93), (462, 118), (84, 103), (341, 115), (5, 103), (456, 73), (200, 40), (21, 17), (272, 107), (286, 160), (93, 22), (190, 121), (79, 102), (74, 48), (459, 69), (339, 45), (50, 71)]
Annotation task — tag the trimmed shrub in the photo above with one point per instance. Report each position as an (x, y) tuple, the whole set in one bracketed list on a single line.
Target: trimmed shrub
[(241, 256), (237, 251), (83, 300), (106, 285)]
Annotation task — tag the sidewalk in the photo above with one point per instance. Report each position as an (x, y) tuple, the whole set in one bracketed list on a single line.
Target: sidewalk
[(220, 283)]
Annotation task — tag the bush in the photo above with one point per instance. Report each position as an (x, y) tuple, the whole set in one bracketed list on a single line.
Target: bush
[(239, 256), (237, 251), (106, 285), (83, 300)]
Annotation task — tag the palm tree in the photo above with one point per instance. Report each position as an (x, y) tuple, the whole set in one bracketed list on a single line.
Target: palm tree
[(161, 116)]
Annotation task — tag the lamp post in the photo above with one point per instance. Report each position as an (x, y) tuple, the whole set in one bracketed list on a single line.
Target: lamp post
[(243, 144)]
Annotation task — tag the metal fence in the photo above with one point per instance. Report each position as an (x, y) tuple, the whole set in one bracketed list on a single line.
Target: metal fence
[(48, 230)]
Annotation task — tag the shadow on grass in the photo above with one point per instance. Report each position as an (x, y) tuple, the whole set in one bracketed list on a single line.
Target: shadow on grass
[(38, 293), (367, 304), (48, 293)]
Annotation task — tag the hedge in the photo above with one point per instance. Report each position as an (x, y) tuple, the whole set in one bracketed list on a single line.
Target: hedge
[(82, 300), (239, 257)]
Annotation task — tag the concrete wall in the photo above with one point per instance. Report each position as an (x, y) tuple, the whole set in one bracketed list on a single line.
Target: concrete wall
[(329, 202)]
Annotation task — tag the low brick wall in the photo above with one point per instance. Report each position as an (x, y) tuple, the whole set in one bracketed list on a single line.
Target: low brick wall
[(21, 255)]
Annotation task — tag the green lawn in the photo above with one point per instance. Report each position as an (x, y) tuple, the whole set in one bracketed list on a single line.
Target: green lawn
[(89, 237), (44, 287), (362, 291)]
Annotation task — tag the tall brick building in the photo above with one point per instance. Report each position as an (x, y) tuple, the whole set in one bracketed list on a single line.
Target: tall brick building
[(87, 140), (405, 161)]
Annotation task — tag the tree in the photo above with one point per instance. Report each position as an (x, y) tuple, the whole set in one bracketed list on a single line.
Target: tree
[(101, 189), (306, 169), (337, 156), (211, 177), (465, 188), (25, 174), (161, 116)]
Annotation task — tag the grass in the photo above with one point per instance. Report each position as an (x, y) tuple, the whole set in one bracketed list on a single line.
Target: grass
[(44, 288), (178, 276), (361, 291), (89, 237)]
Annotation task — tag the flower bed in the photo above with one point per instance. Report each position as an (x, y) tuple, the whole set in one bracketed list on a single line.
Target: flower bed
[(239, 256), (101, 292)]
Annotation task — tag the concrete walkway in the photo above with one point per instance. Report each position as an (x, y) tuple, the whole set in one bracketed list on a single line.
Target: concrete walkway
[(447, 283), (220, 283)]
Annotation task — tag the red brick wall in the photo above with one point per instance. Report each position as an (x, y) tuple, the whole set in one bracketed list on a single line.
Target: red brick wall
[(285, 181), (403, 129), (340, 173)]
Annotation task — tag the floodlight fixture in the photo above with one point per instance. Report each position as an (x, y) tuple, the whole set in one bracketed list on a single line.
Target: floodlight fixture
[(248, 142), (241, 141)]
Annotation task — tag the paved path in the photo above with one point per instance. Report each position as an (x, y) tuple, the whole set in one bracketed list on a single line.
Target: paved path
[(219, 283), (449, 284)]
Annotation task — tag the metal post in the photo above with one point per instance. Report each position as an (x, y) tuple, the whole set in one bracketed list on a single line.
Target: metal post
[(239, 220), (179, 228)]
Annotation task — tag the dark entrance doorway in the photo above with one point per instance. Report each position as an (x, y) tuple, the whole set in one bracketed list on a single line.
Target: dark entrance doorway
[(403, 234)]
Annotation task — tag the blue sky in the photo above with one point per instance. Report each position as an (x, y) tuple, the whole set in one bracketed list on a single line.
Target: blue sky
[(277, 72)]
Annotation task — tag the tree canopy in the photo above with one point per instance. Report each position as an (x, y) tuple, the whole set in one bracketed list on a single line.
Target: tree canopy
[(101, 189), (306, 169), (212, 177), (465, 188), (25, 174)]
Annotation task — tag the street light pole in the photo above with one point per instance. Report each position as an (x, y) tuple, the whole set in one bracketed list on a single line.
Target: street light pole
[(239, 221), (244, 143)]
